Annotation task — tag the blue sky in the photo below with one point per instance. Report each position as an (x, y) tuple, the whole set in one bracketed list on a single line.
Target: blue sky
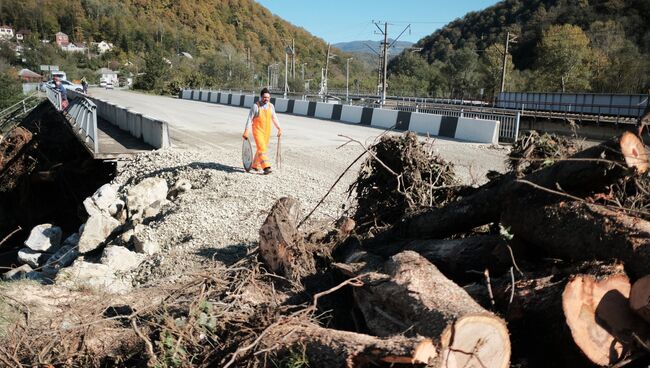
[(351, 20)]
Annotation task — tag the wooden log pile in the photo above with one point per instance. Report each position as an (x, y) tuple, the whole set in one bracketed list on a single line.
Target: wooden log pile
[(546, 265)]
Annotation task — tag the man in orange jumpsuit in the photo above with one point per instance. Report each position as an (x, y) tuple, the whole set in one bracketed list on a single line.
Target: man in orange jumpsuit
[(262, 114)]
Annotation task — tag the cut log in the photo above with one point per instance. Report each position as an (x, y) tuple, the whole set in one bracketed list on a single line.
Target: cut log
[(535, 304), (13, 144), (281, 245), (457, 258), (640, 297), (597, 312), (325, 347), (588, 171), (411, 296), (581, 231)]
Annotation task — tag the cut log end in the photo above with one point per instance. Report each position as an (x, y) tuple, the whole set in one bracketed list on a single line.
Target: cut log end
[(424, 353), (476, 341), (597, 313), (640, 297), (634, 152)]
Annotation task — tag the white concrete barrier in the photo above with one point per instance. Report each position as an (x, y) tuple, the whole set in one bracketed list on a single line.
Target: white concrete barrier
[(425, 123), (324, 110), (213, 97), (351, 114), (135, 124), (477, 130), (205, 95), (249, 100), (300, 107), (281, 104), (120, 118), (234, 100), (384, 118), (187, 93)]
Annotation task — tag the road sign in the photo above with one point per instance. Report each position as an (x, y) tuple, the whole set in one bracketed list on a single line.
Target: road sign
[(49, 67)]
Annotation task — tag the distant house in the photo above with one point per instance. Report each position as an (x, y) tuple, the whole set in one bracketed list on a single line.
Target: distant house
[(61, 39), (103, 46), (107, 75), (22, 34), (74, 47), (27, 75), (6, 32)]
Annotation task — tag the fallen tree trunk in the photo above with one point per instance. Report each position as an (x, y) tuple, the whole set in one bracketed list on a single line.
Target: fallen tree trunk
[(409, 295), (581, 231), (597, 311), (587, 171), (458, 259), (325, 347), (13, 144)]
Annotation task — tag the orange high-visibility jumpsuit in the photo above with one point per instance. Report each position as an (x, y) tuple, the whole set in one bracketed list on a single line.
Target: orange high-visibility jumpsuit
[(262, 134)]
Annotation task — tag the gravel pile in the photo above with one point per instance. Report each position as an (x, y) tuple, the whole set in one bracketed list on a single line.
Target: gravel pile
[(219, 218)]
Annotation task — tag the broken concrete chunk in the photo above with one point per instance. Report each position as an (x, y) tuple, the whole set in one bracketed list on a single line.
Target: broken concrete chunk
[(121, 259), (97, 229), (93, 275), (31, 257), (44, 237), (17, 273), (144, 194), (148, 247), (105, 197)]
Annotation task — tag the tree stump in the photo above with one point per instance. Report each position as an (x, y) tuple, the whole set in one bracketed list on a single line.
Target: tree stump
[(599, 317), (281, 245), (326, 347), (409, 295)]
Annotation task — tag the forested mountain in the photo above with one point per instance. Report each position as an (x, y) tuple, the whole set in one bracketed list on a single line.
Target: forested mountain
[(367, 47), (231, 41), (570, 45)]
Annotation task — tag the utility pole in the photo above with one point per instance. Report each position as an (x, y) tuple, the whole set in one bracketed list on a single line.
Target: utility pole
[(347, 78), (286, 82), (327, 63), (383, 65), (303, 70), (505, 61), (293, 58)]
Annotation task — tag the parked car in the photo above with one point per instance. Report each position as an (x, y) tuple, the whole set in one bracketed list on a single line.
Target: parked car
[(67, 85), (109, 85), (102, 82)]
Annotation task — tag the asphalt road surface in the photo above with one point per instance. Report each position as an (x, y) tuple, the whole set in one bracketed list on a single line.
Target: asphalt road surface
[(198, 125)]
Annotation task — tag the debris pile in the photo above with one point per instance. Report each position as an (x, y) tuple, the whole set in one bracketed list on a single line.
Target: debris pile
[(547, 264)]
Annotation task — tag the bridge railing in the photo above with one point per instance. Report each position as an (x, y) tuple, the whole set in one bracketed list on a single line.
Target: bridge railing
[(82, 115), (54, 96)]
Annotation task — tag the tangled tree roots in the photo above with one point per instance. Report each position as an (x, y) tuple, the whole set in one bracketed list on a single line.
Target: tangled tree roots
[(533, 151), (400, 176)]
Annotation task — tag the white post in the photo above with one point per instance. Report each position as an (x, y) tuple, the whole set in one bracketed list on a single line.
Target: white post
[(286, 83), (347, 79)]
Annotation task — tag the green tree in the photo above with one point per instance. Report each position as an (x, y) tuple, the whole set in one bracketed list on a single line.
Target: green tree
[(11, 91), (154, 70), (564, 58), (491, 68)]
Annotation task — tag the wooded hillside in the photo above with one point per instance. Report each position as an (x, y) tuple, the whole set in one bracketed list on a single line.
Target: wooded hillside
[(232, 42), (571, 45)]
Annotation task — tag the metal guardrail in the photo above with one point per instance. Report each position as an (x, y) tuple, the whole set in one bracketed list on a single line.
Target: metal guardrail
[(54, 96), (9, 117), (81, 113), (508, 124)]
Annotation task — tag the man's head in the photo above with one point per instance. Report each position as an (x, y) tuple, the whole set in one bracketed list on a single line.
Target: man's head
[(265, 95), (56, 80)]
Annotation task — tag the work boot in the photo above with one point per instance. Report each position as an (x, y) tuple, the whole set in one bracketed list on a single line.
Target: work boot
[(267, 170)]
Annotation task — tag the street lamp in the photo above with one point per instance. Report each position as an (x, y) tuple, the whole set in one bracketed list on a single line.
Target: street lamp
[(288, 50), (347, 78)]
